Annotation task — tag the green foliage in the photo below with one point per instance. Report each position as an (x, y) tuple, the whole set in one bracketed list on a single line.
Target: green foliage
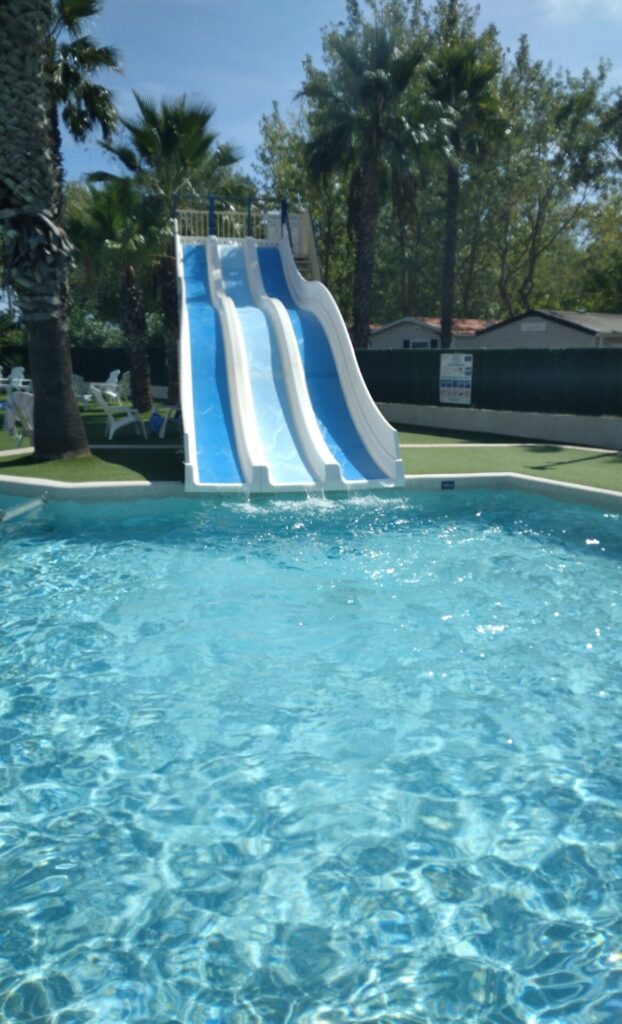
[(12, 333), (76, 56), (600, 270), (280, 167), (156, 332), (536, 154), (417, 92), (281, 171), (359, 129), (88, 330), (113, 226), (170, 146)]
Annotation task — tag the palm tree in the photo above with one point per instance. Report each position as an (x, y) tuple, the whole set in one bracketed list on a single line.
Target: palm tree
[(462, 76), (357, 127), (35, 247), (118, 224), (83, 104), (169, 141), (166, 143)]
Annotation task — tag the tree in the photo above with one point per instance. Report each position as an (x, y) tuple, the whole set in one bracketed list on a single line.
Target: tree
[(547, 169), (281, 171), (35, 247), (120, 226), (165, 145), (600, 275), (358, 128), (462, 76), (83, 104)]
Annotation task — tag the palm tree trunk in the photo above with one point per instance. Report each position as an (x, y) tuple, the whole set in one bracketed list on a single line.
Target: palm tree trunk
[(59, 430), (134, 324), (366, 222), (449, 255), (36, 249)]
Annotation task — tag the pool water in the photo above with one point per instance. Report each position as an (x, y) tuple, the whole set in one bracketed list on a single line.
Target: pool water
[(312, 761)]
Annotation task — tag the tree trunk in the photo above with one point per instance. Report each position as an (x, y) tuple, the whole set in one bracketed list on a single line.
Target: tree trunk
[(449, 255), (59, 431), (134, 324), (366, 222), (169, 302), (328, 238), (57, 153), (35, 248)]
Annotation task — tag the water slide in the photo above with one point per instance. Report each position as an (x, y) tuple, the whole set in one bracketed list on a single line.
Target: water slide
[(272, 396)]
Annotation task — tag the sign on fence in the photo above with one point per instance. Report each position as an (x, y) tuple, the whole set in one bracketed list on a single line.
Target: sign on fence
[(455, 378)]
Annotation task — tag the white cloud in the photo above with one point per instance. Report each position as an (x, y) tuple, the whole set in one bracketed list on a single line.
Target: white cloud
[(565, 11)]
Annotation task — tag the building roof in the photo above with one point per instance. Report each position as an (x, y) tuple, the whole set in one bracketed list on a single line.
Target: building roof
[(464, 326), (590, 323)]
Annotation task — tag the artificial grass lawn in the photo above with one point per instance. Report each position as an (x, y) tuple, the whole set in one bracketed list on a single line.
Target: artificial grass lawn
[(157, 462), (122, 462), (571, 465), (116, 464), (410, 435)]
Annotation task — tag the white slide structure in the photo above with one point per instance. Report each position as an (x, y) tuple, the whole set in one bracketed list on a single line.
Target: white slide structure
[(272, 395)]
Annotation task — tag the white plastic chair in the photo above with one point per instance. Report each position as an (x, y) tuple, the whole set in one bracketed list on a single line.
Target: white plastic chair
[(117, 417), (109, 387), (81, 389), (19, 415), (124, 388), (17, 380)]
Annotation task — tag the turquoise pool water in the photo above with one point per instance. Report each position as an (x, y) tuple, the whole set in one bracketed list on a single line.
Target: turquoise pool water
[(312, 761)]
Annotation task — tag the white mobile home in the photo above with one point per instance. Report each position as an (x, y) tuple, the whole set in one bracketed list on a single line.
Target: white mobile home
[(549, 328), (422, 332)]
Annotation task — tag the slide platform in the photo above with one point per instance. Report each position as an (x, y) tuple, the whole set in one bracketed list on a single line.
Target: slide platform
[(272, 396)]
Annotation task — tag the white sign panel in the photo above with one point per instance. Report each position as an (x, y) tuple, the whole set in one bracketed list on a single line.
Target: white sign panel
[(456, 375)]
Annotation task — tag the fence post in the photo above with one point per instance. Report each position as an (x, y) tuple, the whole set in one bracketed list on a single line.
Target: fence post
[(249, 217), (283, 214), (212, 214)]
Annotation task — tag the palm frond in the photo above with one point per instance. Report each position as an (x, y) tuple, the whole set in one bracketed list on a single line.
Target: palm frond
[(70, 14), (125, 154)]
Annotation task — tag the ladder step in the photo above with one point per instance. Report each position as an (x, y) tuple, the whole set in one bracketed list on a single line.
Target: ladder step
[(23, 509)]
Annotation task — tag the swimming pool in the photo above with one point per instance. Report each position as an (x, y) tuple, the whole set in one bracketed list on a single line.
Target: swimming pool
[(312, 761)]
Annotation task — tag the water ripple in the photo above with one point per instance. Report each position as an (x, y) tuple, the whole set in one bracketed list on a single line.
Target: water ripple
[(315, 761)]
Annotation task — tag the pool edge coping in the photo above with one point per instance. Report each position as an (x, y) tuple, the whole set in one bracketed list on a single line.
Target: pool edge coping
[(112, 490), (557, 489), (104, 490)]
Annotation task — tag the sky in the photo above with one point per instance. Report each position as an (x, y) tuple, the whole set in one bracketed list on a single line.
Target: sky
[(241, 55)]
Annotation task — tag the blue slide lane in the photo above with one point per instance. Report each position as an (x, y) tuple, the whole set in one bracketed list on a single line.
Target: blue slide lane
[(215, 440), (276, 428), (327, 399)]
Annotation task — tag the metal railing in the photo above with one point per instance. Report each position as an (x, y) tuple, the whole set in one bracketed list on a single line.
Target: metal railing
[(193, 223), (224, 223), (227, 221)]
